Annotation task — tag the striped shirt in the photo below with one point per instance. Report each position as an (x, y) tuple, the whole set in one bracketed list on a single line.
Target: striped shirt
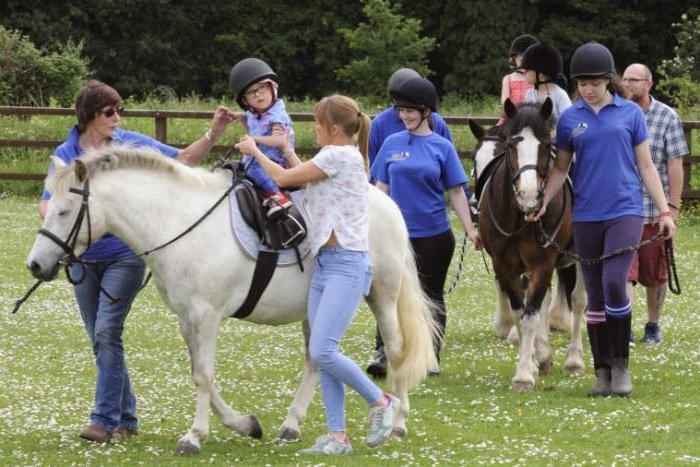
[(666, 141)]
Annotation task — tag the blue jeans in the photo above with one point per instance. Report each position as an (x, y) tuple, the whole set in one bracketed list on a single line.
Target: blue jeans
[(256, 173), (115, 403), (340, 280)]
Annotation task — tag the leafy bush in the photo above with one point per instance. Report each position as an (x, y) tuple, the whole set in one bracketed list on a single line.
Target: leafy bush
[(29, 76), (681, 73)]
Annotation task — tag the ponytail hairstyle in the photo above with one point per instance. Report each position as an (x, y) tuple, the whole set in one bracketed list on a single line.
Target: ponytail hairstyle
[(346, 114)]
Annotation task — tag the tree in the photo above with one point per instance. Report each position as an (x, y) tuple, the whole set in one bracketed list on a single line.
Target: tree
[(386, 42)]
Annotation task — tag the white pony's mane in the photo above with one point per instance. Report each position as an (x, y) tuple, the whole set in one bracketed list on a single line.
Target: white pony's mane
[(125, 157)]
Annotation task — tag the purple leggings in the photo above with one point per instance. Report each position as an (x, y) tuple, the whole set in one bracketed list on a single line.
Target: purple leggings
[(606, 281)]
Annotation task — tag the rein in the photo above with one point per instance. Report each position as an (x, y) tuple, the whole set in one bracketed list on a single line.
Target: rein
[(69, 244), (673, 283)]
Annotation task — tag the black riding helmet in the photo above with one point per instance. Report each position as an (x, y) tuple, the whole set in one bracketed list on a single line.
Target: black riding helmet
[(399, 76), (543, 58), (415, 93), (247, 72), (520, 45), (593, 60)]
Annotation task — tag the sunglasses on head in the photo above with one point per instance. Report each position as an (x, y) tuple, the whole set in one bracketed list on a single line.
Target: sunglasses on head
[(110, 111)]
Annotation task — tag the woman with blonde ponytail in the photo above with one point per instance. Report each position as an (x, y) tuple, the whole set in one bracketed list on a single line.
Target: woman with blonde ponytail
[(338, 206)]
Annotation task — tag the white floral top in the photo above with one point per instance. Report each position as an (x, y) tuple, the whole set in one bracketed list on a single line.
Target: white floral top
[(339, 203)]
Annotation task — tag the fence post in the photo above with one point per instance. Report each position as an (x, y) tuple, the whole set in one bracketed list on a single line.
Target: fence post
[(687, 163), (161, 128)]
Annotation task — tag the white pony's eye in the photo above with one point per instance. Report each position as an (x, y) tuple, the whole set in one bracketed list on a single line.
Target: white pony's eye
[(64, 212)]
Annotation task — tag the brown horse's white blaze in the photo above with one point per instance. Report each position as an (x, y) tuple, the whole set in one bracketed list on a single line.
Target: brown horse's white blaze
[(528, 183)]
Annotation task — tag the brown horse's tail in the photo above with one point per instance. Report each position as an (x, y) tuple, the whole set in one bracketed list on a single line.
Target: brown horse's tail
[(418, 328)]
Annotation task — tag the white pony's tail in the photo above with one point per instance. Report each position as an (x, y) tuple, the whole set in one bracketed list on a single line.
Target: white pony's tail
[(416, 314)]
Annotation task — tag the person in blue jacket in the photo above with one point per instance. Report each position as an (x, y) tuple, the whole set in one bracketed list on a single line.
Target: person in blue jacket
[(98, 109), (609, 136), (416, 167)]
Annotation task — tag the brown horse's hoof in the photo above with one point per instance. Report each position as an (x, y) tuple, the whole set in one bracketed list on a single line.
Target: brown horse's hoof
[(521, 386), (546, 365), (185, 448), (288, 435)]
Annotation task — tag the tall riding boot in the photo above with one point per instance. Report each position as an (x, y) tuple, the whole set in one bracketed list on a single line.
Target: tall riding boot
[(600, 348), (620, 329)]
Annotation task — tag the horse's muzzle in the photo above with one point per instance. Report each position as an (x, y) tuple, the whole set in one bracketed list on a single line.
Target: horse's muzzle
[(42, 273)]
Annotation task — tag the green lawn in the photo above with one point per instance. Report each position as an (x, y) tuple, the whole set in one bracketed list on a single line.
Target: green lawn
[(467, 415)]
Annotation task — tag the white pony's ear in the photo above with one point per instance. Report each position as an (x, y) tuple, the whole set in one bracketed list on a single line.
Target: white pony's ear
[(81, 171), (57, 162)]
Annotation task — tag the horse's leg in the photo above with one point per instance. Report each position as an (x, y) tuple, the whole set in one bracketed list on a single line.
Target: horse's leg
[(200, 336), (246, 425), (543, 356), (574, 362), (526, 369), (560, 318), (290, 430), (538, 298), (503, 321), (384, 307)]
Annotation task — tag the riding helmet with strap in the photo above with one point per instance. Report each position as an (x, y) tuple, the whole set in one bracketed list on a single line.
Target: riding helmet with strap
[(592, 60), (543, 58), (520, 45), (415, 93), (399, 76), (249, 71)]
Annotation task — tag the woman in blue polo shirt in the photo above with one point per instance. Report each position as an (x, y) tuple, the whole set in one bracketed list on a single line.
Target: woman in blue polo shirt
[(98, 110), (609, 137), (416, 167)]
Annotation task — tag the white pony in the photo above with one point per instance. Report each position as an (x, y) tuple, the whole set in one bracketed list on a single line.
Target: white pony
[(147, 199)]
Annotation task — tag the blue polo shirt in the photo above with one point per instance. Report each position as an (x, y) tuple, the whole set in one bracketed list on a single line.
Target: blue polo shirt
[(418, 170), (606, 181), (388, 122), (108, 246)]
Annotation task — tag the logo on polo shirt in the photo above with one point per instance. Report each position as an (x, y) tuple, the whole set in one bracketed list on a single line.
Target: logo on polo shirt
[(399, 156), (580, 129)]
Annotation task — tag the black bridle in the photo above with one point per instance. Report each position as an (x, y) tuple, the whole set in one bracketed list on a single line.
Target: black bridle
[(68, 245)]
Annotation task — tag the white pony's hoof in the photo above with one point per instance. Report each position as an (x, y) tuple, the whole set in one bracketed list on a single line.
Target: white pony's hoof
[(522, 386), (288, 435), (398, 432), (185, 448)]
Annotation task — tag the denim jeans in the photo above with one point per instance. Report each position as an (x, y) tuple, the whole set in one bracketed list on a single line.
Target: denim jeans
[(115, 403), (340, 280)]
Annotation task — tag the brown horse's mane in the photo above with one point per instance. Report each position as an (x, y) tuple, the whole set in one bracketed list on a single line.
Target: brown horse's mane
[(528, 116)]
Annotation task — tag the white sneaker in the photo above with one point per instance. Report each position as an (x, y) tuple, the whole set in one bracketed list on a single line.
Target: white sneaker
[(381, 422), (328, 445)]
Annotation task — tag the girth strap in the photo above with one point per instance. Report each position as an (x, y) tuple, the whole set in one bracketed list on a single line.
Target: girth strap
[(264, 269)]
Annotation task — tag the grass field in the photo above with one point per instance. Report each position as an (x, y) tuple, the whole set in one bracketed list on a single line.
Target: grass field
[(465, 416)]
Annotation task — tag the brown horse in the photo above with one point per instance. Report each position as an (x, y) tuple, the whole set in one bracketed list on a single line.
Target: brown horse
[(522, 261)]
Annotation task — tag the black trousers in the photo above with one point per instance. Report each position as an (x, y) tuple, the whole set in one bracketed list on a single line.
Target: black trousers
[(433, 257)]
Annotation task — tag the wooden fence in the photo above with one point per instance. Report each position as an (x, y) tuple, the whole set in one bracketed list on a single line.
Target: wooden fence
[(161, 133)]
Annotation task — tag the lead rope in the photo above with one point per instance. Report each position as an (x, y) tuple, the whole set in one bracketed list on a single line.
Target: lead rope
[(673, 284), (462, 250)]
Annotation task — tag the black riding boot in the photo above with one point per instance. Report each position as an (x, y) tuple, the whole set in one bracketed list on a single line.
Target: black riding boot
[(600, 348), (620, 329), (377, 367)]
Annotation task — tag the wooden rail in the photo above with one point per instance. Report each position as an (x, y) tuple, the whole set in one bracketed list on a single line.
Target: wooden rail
[(161, 134)]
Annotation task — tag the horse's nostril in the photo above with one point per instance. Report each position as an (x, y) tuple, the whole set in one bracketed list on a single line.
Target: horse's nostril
[(34, 267)]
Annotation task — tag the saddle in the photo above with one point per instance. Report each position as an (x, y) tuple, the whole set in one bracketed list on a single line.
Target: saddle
[(287, 230)]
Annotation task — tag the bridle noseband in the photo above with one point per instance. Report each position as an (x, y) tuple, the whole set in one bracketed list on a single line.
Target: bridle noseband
[(68, 245)]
